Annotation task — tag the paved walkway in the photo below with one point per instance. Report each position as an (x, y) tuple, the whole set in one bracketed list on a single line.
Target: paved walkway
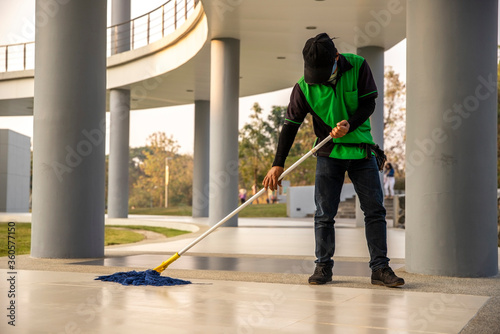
[(250, 279)]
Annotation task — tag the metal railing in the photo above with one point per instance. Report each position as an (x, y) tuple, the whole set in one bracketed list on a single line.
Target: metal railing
[(17, 57), (129, 35)]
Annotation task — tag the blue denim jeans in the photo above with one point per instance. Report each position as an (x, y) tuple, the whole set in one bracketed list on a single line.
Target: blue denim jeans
[(364, 175)]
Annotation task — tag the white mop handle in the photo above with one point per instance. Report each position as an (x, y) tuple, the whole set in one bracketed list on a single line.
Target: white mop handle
[(305, 156), (229, 216), (254, 197)]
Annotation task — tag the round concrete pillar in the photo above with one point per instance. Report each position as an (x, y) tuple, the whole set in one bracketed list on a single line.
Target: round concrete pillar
[(451, 169), (224, 94), (69, 130), (119, 129), (374, 56), (119, 104), (201, 175), (120, 36)]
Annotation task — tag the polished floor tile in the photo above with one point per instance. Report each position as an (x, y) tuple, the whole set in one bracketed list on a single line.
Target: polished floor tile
[(243, 264), (350, 242), (62, 302)]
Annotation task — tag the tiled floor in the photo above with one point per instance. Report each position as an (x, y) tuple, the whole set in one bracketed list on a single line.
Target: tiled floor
[(61, 302), (71, 302), (245, 264)]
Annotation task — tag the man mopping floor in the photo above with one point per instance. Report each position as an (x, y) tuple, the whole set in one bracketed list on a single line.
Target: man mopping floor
[(339, 91)]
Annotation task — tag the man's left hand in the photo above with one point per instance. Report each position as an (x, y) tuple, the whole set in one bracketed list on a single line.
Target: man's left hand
[(341, 129)]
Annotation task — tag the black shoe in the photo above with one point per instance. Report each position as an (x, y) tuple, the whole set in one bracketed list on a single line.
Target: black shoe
[(385, 276), (322, 274)]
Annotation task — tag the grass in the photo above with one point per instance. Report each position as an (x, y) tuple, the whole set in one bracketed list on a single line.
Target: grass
[(254, 210), (264, 210), (21, 238), (115, 235), (171, 211), (168, 232)]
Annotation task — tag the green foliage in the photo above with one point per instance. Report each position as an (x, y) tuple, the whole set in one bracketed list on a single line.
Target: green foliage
[(275, 121), (136, 157), (180, 187), (147, 173), (258, 143), (254, 149), (304, 174)]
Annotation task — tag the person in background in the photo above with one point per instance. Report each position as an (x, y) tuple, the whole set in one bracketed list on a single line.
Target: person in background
[(389, 180), (243, 195)]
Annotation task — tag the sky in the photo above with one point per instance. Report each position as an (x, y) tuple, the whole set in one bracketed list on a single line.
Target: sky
[(18, 27)]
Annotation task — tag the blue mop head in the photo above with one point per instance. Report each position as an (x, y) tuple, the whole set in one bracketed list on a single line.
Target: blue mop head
[(148, 277)]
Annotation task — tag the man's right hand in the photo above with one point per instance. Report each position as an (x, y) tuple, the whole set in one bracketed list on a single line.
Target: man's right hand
[(271, 179)]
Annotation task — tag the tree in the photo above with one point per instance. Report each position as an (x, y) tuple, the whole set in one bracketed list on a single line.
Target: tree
[(394, 119), (180, 185), (275, 121), (150, 185), (258, 144), (138, 197), (254, 149), (304, 174)]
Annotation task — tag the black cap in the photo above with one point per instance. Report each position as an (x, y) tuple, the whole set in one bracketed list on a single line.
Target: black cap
[(319, 56)]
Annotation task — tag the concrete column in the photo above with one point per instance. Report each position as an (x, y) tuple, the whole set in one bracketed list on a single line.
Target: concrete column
[(374, 56), (224, 93), (119, 104), (451, 169), (69, 130), (120, 37), (201, 175)]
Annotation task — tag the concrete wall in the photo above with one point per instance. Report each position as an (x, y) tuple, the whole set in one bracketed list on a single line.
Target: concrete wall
[(15, 161)]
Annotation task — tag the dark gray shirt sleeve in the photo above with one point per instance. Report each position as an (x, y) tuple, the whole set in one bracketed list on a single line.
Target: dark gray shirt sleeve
[(296, 112), (366, 108)]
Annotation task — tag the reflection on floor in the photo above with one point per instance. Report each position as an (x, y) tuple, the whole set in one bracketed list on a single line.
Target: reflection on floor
[(244, 264)]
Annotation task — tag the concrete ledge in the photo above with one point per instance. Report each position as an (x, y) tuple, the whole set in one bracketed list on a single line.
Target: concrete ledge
[(13, 75)]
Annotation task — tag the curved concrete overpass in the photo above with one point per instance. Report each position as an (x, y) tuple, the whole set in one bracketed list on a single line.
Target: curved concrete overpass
[(176, 70), (141, 70)]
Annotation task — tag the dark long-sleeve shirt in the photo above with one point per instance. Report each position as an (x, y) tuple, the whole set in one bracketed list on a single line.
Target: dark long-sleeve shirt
[(299, 107)]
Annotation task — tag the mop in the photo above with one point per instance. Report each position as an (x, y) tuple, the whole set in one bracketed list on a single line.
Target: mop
[(153, 276)]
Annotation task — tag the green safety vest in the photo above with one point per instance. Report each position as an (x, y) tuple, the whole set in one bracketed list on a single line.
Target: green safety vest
[(334, 106)]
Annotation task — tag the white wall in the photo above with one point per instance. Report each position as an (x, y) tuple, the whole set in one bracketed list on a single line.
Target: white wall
[(300, 200), (15, 161)]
